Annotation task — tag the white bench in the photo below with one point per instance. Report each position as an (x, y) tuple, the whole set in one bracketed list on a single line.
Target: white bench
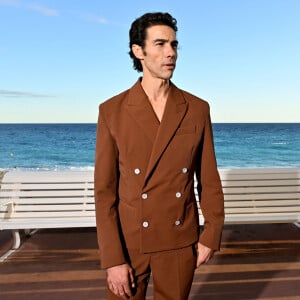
[(33, 200), (261, 195)]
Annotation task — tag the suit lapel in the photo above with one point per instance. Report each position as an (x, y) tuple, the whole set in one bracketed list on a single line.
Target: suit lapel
[(159, 134), (175, 110), (141, 111)]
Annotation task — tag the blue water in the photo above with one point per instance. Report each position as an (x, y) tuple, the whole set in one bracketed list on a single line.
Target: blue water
[(72, 146), (257, 145)]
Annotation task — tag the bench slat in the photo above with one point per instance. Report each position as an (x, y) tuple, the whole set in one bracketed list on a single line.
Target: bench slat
[(49, 223), (267, 196), (48, 193), (49, 186), (53, 207), (257, 183), (236, 197), (259, 190), (250, 219), (269, 210), (258, 176), (259, 171), (49, 214), (247, 203), (56, 200)]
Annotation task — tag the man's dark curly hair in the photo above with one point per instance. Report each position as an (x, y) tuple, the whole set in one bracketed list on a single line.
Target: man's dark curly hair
[(138, 31)]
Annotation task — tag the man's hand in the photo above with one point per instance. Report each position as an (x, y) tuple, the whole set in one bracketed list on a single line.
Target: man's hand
[(120, 280), (204, 254)]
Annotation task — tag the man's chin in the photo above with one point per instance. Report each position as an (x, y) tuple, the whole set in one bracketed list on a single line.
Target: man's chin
[(169, 75)]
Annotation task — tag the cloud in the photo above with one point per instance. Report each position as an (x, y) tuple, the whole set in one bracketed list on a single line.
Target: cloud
[(50, 12), (19, 94), (43, 10), (94, 19)]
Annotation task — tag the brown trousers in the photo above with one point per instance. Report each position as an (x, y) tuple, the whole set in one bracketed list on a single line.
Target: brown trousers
[(172, 273)]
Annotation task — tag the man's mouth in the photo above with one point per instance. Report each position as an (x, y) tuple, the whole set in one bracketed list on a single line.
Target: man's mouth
[(170, 66)]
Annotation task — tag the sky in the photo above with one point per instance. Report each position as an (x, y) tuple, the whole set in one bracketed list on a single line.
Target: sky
[(59, 59)]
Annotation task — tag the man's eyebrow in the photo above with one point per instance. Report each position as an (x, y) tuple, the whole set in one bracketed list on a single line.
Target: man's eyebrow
[(164, 41), (160, 40)]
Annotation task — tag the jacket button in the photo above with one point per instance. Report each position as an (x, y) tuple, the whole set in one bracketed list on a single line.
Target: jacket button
[(184, 170), (144, 196), (178, 195), (145, 224), (137, 171), (177, 222)]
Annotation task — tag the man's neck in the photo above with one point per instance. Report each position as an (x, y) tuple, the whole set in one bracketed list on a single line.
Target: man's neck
[(156, 89)]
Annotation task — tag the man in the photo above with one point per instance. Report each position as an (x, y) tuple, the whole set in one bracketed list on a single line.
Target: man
[(151, 141)]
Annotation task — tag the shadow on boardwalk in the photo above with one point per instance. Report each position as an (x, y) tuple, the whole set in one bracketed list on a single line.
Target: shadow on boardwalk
[(256, 262)]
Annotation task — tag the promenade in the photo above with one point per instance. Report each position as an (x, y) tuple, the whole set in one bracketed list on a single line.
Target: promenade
[(256, 262)]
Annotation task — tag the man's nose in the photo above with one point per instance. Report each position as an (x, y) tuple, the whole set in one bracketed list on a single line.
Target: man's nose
[(171, 51)]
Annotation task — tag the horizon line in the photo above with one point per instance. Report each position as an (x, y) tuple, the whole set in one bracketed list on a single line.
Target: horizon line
[(70, 123)]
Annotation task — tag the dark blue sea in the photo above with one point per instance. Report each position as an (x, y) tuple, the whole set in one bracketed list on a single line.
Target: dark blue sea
[(72, 146)]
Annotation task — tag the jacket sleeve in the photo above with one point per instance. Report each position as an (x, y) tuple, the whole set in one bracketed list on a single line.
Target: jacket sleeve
[(106, 196), (210, 190)]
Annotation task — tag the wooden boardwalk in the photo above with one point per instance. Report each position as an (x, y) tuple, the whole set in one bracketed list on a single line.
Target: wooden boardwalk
[(256, 262)]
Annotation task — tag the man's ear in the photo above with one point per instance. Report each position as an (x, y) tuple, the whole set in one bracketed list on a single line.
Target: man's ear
[(137, 51)]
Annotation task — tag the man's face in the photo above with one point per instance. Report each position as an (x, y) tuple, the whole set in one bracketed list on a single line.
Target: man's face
[(160, 52)]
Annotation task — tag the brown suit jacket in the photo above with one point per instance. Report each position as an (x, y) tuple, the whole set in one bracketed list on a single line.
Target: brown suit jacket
[(144, 175)]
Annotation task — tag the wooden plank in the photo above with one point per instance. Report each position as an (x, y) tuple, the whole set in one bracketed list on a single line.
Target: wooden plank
[(49, 214), (295, 203), (46, 181), (258, 176), (250, 219), (260, 190), (241, 197), (254, 183), (264, 215), (53, 207), (262, 210), (20, 201), (237, 197), (49, 186), (246, 171), (50, 193), (49, 223), (293, 214), (39, 176)]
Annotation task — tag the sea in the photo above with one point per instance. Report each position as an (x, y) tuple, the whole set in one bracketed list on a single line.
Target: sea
[(59, 147)]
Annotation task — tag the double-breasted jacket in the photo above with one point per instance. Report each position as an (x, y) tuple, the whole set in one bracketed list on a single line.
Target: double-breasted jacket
[(145, 172)]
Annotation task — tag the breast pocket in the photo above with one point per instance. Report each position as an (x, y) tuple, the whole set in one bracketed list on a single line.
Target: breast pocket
[(182, 146)]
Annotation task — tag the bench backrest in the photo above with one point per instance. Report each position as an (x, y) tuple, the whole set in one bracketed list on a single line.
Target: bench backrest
[(47, 195), (261, 195), (251, 196)]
